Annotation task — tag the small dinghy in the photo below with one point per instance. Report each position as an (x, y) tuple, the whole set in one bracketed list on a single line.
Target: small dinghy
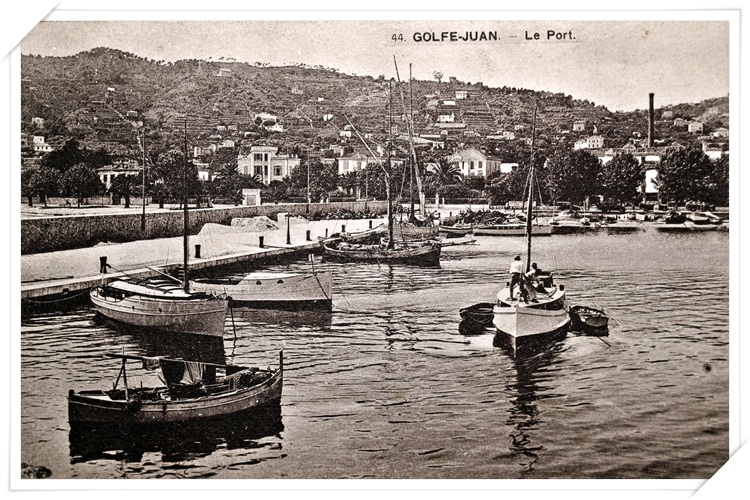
[(474, 319), (589, 319)]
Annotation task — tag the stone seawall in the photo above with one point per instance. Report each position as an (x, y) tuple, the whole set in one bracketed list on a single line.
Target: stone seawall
[(50, 234)]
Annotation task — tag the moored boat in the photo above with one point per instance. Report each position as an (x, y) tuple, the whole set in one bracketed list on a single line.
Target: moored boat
[(291, 291), (408, 231), (158, 302), (588, 319), (455, 231), (424, 253), (480, 313), (193, 391), (509, 230), (161, 305)]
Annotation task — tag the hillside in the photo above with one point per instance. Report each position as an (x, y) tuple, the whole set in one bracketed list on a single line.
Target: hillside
[(101, 95)]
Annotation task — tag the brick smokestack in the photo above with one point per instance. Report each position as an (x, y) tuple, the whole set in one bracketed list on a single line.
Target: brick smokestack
[(651, 120)]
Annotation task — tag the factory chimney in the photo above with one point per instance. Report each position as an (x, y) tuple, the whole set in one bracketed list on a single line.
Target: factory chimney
[(651, 120)]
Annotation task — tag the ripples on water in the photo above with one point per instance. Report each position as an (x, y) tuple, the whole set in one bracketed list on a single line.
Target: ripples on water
[(386, 387)]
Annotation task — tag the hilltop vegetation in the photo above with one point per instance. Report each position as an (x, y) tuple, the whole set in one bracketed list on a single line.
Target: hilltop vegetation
[(100, 96)]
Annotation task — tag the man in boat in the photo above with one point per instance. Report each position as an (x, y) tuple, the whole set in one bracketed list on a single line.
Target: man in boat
[(528, 290), (516, 270)]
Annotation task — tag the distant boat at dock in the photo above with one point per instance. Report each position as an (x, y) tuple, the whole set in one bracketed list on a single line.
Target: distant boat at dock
[(425, 253)]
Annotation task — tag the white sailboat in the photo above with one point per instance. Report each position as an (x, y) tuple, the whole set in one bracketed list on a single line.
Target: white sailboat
[(544, 315), (163, 303)]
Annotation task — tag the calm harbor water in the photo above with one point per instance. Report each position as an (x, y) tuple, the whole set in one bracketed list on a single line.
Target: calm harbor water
[(387, 387)]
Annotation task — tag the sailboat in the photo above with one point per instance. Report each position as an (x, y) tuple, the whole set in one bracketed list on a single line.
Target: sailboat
[(426, 252), (422, 227), (163, 302), (546, 314)]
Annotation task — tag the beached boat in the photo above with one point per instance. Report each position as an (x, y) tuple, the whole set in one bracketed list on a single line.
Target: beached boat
[(589, 319), (193, 391), (545, 313), (291, 291), (160, 303), (697, 218)]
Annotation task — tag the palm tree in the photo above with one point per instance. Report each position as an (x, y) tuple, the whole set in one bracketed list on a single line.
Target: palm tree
[(445, 171)]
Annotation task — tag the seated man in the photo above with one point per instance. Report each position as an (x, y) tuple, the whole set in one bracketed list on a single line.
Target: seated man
[(528, 286)]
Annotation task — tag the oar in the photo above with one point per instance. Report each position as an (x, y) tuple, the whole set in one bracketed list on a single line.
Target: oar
[(602, 309), (608, 345)]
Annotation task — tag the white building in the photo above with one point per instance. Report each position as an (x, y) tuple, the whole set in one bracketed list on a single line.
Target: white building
[(720, 132), (265, 162), (108, 173), (474, 163), (265, 117), (591, 142), (39, 145), (446, 118), (353, 163), (695, 127)]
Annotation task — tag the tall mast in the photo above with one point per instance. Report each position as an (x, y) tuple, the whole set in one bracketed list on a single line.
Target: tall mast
[(185, 219), (531, 195), (143, 184), (411, 164), (389, 169), (409, 128)]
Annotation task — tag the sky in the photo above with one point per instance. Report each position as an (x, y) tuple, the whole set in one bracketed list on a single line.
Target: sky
[(612, 63)]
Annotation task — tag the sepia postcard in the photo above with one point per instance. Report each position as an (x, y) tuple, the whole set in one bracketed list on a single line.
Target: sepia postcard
[(420, 249)]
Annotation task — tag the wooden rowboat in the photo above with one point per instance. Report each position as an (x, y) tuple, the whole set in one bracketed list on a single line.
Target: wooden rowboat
[(588, 319), (194, 391), (425, 253)]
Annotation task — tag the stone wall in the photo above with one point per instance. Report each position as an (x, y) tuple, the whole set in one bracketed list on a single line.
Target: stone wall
[(65, 232)]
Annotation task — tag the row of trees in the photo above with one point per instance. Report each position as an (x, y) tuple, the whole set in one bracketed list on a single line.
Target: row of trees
[(685, 175)]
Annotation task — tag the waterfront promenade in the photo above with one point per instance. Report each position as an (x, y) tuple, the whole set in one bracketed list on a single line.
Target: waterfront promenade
[(70, 271)]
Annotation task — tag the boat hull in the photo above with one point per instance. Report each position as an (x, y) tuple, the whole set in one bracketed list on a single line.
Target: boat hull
[(511, 231), (455, 232), (202, 316), (588, 320), (518, 319), (481, 313), (94, 407), (425, 255), (277, 291), (406, 231)]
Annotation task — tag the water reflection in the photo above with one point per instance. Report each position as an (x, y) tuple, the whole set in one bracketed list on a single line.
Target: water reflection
[(180, 441), (203, 348), (529, 361), (311, 318)]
